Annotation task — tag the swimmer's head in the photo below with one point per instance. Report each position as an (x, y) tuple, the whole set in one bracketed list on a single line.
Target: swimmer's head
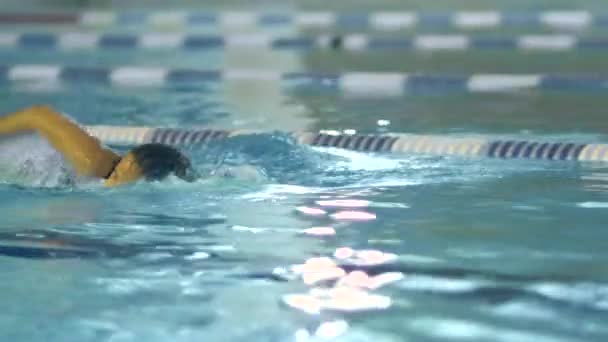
[(151, 162)]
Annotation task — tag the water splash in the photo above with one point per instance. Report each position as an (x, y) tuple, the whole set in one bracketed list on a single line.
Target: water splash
[(29, 160)]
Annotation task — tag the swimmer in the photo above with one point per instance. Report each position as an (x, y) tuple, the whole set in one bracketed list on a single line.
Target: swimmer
[(89, 158)]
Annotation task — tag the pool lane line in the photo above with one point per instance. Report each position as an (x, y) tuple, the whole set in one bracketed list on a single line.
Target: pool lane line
[(389, 143), (70, 41), (365, 84), (380, 20)]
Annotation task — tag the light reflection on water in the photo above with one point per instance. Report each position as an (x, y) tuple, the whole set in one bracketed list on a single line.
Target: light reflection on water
[(322, 261), (399, 248)]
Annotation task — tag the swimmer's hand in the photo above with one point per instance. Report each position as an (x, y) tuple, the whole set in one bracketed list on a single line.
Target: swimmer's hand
[(83, 151)]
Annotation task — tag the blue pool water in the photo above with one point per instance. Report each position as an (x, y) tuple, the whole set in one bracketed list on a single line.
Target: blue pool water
[(487, 249), (270, 244)]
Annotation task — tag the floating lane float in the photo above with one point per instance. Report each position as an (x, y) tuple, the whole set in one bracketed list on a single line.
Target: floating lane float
[(390, 143), (365, 84), (382, 21), (70, 41)]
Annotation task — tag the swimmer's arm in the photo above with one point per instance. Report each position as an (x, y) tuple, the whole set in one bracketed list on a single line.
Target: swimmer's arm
[(83, 151)]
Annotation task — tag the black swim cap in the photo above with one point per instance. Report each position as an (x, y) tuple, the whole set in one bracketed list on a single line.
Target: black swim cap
[(157, 161)]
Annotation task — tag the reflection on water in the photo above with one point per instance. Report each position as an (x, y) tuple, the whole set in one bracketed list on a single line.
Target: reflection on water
[(595, 177), (442, 244), (310, 244)]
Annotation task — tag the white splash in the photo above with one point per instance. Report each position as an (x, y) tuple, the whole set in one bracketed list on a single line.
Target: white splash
[(30, 160)]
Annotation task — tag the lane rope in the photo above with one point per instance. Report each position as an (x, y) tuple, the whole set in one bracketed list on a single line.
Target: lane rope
[(350, 42), (380, 84), (384, 21), (389, 143)]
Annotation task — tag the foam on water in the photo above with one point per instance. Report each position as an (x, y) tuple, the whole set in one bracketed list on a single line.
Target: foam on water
[(353, 160), (29, 160)]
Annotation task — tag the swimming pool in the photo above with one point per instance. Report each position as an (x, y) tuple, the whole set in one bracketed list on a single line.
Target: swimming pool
[(319, 243)]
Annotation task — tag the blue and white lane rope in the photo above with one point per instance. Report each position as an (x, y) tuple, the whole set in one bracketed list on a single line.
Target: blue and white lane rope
[(350, 42), (384, 21), (391, 143), (355, 83)]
